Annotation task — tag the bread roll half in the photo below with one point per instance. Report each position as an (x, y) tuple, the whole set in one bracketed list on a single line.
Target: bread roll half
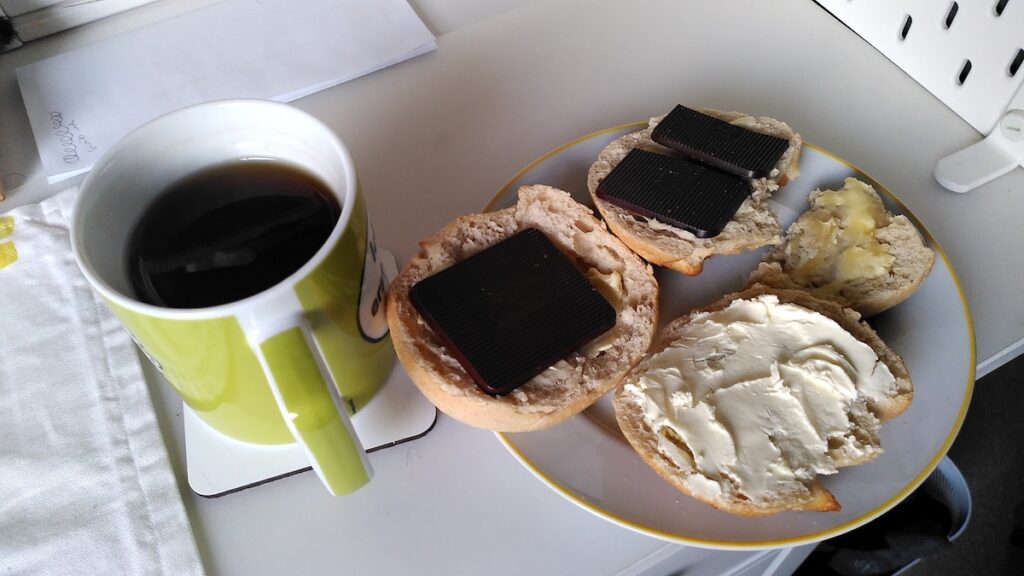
[(822, 253), (753, 226), (755, 444), (573, 383)]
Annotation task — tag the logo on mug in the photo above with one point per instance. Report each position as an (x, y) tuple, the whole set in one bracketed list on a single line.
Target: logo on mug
[(373, 322)]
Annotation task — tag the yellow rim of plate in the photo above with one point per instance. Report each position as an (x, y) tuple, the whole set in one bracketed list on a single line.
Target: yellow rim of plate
[(808, 538)]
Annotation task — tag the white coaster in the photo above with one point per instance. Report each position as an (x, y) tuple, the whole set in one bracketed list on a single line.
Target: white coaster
[(218, 465)]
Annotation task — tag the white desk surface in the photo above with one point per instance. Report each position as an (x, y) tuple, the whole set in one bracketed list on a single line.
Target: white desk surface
[(439, 135)]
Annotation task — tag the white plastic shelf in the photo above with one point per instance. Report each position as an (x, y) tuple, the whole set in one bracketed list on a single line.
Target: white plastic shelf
[(968, 53)]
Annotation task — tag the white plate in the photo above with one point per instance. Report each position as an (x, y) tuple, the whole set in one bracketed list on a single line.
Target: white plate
[(586, 459)]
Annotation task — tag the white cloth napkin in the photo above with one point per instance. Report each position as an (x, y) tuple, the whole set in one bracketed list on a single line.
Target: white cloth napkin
[(85, 482)]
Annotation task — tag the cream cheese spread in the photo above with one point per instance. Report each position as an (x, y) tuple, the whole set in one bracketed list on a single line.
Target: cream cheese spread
[(760, 394)]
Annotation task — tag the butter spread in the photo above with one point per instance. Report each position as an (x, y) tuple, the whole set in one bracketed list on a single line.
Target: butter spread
[(838, 242), (748, 122), (610, 286), (555, 375), (656, 224), (759, 392)]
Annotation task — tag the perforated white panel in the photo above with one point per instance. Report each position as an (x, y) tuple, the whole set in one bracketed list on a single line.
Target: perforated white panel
[(934, 40)]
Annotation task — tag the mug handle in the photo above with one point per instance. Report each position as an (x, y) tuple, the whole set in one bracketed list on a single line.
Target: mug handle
[(310, 404)]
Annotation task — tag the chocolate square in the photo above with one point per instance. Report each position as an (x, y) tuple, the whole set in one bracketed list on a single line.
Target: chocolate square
[(675, 190), (512, 310), (718, 143)]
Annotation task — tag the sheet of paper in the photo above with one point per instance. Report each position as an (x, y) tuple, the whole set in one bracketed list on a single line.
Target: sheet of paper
[(81, 102)]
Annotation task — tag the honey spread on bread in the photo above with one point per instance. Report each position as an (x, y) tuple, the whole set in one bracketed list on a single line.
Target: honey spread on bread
[(758, 398), (837, 242), (847, 248)]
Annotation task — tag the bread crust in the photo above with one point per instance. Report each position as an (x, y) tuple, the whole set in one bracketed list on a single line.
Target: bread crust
[(753, 226), (539, 403), (816, 497)]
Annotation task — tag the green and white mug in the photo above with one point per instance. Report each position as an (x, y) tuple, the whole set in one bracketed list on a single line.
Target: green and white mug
[(290, 363)]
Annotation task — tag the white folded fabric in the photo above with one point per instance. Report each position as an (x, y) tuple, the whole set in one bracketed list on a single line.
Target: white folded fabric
[(85, 482)]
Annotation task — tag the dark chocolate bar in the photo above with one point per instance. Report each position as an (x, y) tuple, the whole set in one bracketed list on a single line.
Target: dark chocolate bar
[(674, 190), (512, 310), (718, 143)]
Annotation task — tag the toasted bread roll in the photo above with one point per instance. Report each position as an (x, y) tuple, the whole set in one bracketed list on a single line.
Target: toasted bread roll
[(570, 385), (848, 248), (745, 403), (753, 226)]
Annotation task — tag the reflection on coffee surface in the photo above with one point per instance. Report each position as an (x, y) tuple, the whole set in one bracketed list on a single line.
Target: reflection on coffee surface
[(228, 232)]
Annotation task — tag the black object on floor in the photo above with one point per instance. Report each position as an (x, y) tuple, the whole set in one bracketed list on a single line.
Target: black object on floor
[(917, 527), (989, 451)]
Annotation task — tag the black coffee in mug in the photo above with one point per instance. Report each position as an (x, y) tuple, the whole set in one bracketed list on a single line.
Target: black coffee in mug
[(228, 232)]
